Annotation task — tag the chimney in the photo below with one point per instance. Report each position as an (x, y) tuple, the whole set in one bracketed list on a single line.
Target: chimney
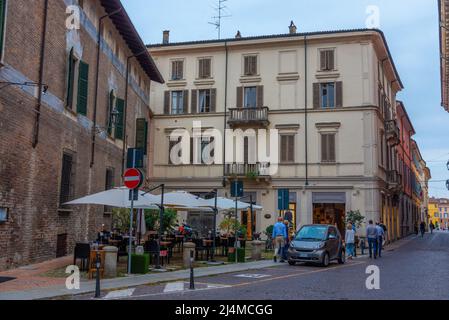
[(166, 37), (292, 27), (238, 35)]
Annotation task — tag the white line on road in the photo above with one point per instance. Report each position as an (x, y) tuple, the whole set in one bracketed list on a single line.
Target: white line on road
[(174, 287), (119, 294)]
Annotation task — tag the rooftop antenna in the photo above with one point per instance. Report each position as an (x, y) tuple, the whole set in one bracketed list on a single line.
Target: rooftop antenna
[(221, 14)]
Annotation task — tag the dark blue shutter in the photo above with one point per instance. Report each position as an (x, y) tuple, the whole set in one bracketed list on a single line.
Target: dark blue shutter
[(83, 88)]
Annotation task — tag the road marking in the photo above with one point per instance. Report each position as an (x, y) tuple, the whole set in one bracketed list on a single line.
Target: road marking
[(174, 287), (252, 276), (119, 294)]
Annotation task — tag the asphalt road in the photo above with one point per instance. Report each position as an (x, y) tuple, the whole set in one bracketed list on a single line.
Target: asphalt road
[(417, 269)]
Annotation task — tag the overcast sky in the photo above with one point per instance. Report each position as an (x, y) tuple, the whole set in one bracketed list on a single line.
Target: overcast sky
[(411, 28)]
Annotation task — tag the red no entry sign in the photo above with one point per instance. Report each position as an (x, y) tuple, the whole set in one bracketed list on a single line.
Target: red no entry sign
[(133, 178)]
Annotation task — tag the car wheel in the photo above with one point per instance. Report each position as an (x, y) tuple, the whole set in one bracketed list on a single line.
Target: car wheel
[(326, 261), (342, 258), (292, 263)]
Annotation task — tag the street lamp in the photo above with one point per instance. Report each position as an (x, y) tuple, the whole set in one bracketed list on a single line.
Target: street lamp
[(447, 164), (4, 84), (447, 184)]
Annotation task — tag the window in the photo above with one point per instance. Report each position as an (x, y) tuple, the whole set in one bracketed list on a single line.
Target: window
[(327, 92), (109, 184), (3, 215), (382, 149), (250, 65), (204, 101), (204, 68), (327, 60), (2, 25), (120, 124), (203, 157), (250, 97), (177, 70), (111, 107), (83, 88), (67, 178), (328, 147), (177, 102), (287, 148)]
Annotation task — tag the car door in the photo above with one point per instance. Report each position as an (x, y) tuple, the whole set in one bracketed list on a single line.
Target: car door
[(332, 240)]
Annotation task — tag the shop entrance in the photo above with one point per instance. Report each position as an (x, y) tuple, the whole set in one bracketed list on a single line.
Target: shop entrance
[(330, 213)]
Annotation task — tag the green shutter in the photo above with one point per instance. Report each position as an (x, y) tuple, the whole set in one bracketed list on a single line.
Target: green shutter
[(2, 24), (141, 134), (120, 104), (83, 88), (110, 110)]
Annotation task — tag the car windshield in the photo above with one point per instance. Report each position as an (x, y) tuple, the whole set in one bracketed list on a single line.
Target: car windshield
[(311, 233)]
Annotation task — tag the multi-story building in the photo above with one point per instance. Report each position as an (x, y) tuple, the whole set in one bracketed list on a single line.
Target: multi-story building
[(443, 6), (420, 180), (332, 98), (434, 214), (443, 208), (67, 117)]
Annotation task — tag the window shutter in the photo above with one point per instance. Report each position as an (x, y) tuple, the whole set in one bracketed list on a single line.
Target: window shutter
[(239, 97), (2, 24), (83, 88), (331, 60), (70, 71), (207, 68), (283, 149), (245, 149), (167, 102), (185, 100), (291, 148), (246, 66), (141, 134), (180, 69), (316, 96), (201, 68), (120, 104), (213, 100), (194, 105), (324, 148), (253, 65), (192, 148), (331, 145), (260, 102), (322, 60), (110, 109), (339, 94)]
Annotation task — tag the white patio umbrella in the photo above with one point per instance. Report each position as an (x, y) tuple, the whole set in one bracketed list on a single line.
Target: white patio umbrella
[(225, 204), (184, 200), (119, 198)]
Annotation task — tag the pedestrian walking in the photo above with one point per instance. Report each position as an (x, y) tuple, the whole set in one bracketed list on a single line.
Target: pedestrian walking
[(371, 235), (279, 237), (287, 241), (380, 238), (350, 241), (422, 228), (431, 227)]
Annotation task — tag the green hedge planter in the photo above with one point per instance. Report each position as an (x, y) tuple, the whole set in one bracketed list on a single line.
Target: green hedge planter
[(240, 255), (140, 263)]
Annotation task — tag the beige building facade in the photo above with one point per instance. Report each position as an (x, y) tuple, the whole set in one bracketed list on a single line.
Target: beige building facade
[(331, 96)]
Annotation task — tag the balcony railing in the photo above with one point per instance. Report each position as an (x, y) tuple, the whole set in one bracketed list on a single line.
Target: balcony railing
[(249, 117), (247, 170), (392, 132), (394, 180)]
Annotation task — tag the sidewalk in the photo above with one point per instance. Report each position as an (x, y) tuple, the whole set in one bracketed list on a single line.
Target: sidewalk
[(132, 281)]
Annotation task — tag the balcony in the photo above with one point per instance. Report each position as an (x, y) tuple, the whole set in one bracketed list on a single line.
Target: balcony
[(394, 180), (254, 171), (392, 132), (249, 117)]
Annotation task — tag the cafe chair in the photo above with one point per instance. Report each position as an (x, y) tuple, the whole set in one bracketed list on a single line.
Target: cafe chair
[(82, 252)]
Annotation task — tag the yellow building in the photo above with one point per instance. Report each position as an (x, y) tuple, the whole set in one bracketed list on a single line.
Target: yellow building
[(434, 215)]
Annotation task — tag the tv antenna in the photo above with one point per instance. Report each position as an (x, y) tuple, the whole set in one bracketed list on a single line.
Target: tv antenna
[(221, 10)]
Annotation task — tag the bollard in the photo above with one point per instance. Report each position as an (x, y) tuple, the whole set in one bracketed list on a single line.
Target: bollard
[(192, 281), (97, 283)]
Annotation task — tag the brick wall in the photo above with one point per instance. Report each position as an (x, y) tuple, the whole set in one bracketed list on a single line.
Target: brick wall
[(30, 178)]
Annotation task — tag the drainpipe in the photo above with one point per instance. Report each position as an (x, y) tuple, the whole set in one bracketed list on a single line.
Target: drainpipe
[(94, 126), (225, 116), (306, 127), (125, 111), (41, 77)]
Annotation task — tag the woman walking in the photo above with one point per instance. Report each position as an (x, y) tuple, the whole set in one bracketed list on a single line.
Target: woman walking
[(350, 241)]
